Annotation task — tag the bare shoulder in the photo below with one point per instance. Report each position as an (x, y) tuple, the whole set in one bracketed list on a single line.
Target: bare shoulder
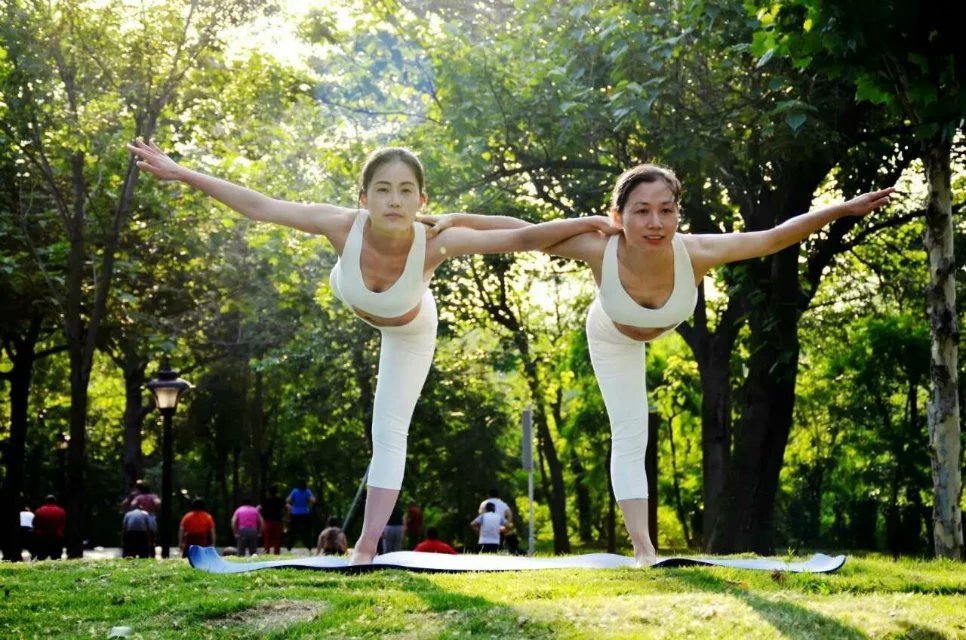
[(588, 247), (332, 221), (709, 250), (330, 217)]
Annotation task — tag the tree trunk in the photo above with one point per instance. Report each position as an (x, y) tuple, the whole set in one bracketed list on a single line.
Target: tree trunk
[(553, 476), (76, 453), (650, 472), (581, 490), (556, 497), (135, 410), (258, 436), (943, 409), (74, 329), (676, 489), (584, 508), (713, 353), (769, 399), (23, 359), (611, 505)]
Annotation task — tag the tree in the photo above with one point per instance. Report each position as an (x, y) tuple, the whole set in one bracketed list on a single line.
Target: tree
[(904, 56), (612, 86), (71, 68)]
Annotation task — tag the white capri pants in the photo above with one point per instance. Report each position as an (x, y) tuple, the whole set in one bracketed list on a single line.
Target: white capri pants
[(618, 363), (405, 356)]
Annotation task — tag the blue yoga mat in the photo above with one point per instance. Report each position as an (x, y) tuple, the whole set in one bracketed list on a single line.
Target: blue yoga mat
[(207, 559)]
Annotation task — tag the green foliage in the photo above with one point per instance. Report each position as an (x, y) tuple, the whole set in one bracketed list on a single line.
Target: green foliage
[(524, 109), (901, 55)]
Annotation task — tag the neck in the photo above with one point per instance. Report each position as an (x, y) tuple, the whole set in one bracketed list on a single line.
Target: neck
[(644, 259), (389, 239)]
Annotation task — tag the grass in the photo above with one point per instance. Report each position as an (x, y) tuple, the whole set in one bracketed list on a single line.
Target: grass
[(871, 597)]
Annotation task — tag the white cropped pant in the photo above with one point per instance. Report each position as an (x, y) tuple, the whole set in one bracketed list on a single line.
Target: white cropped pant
[(405, 356), (618, 363)]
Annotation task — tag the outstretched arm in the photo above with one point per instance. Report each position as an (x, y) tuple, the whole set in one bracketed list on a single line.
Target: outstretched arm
[(438, 224), (709, 251), (456, 241), (315, 218)]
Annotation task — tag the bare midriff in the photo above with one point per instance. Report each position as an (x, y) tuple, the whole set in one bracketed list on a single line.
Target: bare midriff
[(399, 321), (641, 334)]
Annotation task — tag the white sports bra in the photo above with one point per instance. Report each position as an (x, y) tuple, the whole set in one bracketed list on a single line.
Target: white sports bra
[(401, 297), (622, 308)]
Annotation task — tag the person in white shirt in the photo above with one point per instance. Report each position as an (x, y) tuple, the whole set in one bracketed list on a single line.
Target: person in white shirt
[(490, 525), (26, 529), (501, 507)]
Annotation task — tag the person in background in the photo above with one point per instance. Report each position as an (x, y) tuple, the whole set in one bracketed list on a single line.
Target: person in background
[(49, 522), (413, 524), (137, 534), (332, 541), (26, 529), (432, 544), (247, 524), (273, 510), (149, 501), (300, 501), (490, 525), (197, 527), (392, 534), (502, 509)]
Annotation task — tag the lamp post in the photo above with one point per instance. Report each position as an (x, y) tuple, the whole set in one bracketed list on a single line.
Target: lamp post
[(167, 388)]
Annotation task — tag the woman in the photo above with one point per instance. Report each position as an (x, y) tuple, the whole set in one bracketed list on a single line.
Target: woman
[(647, 277), (385, 263)]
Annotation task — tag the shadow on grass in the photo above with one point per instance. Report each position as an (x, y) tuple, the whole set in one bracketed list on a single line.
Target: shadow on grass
[(788, 618), (359, 604)]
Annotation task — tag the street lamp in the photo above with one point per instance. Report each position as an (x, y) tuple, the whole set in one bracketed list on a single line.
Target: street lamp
[(167, 388)]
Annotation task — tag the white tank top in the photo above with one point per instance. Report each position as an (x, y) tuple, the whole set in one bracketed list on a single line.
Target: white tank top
[(622, 308), (401, 297)]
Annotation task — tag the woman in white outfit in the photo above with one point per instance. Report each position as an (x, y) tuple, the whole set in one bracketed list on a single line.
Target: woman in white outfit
[(647, 278), (385, 263)]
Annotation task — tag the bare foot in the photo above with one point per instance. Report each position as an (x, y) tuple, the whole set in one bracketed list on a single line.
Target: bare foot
[(358, 557), (645, 556)]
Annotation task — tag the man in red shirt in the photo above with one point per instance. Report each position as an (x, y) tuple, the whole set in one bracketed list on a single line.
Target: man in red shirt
[(49, 522), (197, 527), (432, 543)]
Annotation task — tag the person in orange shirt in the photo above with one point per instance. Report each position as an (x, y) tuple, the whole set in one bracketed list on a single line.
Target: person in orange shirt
[(197, 527)]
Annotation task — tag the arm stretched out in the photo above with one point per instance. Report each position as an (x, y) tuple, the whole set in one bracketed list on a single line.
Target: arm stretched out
[(455, 241), (587, 246), (710, 250), (438, 224), (315, 218)]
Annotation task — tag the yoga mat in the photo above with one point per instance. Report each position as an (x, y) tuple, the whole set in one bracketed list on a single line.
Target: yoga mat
[(207, 559)]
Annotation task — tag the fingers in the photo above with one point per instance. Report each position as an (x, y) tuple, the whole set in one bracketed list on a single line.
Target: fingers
[(138, 149)]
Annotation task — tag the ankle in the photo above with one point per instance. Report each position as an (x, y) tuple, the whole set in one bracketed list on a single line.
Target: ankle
[(358, 557)]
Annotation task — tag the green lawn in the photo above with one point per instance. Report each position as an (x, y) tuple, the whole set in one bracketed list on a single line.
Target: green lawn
[(870, 597)]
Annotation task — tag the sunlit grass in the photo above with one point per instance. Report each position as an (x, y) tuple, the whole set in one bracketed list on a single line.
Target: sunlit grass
[(869, 597)]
